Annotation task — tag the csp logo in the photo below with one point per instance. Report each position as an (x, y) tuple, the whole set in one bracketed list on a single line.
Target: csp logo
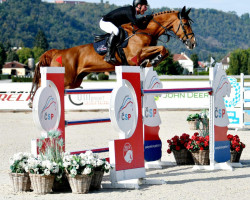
[(49, 109), (125, 109)]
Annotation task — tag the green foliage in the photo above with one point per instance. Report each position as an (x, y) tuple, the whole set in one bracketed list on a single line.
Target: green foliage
[(102, 76), (4, 76), (41, 41), (2, 55), (92, 77), (239, 62), (12, 56), (21, 79), (169, 67), (37, 52), (195, 59), (24, 54)]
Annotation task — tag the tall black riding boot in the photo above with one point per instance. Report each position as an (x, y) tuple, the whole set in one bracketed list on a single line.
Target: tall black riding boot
[(110, 49)]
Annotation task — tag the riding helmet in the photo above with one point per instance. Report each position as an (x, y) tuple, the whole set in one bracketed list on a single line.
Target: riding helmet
[(142, 2)]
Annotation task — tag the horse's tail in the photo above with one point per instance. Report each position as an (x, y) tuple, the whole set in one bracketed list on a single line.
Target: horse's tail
[(45, 60)]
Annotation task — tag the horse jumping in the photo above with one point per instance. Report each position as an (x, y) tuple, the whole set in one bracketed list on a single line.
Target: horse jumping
[(141, 49)]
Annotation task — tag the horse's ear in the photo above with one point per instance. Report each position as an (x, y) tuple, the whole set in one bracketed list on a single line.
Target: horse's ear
[(188, 11), (183, 10)]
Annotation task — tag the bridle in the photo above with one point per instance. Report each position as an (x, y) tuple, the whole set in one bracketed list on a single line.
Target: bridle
[(169, 33)]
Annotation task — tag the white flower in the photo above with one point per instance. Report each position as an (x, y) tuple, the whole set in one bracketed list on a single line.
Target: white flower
[(99, 162), (26, 169), (59, 176), (87, 171), (107, 165), (82, 162), (73, 171), (89, 153), (46, 172)]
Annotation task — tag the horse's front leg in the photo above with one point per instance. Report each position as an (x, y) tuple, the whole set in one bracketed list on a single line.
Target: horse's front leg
[(152, 55)]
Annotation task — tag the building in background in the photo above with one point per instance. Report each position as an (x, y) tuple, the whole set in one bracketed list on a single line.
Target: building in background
[(225, 61), (15, 68), (185, 62)]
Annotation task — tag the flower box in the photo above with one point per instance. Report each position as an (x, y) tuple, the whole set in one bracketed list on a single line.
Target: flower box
[(183, 157), (201, 157), (79, 184), (20, 182), (42, 184), (235, 156)]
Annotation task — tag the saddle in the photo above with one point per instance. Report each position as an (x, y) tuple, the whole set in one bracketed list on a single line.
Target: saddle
[(100, 44)]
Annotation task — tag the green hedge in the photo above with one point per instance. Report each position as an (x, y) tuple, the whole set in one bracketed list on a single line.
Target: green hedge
[(21, 79), (4, 76)]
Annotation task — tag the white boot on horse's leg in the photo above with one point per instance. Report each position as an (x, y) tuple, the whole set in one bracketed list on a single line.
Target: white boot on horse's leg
[(156, 60)]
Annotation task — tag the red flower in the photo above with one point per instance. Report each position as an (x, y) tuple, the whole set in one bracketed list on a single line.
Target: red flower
[(177, 143), (168, 151), (201, 148), (196, 134)]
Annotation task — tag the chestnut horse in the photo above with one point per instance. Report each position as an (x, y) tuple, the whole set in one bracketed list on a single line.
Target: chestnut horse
[(141, 49)]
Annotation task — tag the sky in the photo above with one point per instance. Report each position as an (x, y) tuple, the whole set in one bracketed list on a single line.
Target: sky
[(239, 6)]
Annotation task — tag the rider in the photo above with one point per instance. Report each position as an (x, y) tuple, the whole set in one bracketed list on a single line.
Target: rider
[(123, 15)]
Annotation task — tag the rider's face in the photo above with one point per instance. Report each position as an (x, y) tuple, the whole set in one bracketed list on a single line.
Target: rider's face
[(141, 9)]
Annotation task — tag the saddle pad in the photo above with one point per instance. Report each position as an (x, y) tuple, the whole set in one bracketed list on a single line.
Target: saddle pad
[(101, 46)]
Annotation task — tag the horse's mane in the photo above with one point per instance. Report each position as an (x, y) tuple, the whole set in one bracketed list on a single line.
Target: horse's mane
[(165, 12)]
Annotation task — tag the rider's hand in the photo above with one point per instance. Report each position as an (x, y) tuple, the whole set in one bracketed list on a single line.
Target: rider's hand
[(149, 17)]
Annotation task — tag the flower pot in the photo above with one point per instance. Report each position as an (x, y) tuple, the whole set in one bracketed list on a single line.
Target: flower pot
[(96, 180), (201, 157), (194, 125), (79, 184), (183, 157), (62, 185), (235, 156), (20, 181), (42, 184)]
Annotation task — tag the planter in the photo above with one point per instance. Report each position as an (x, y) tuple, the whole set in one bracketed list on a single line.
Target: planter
[(62, 185), (80, 184), (235, 156), (201, 157), (96, 180), (194, 125), (183, 157), (20, 182), (42, 184)]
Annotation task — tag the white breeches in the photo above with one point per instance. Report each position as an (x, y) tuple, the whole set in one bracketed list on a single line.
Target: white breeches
[(108, 27)]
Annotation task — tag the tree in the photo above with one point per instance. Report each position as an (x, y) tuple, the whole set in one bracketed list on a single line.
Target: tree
[(239, 62), (41, 41), (12, 56), (169, 67), (195, 59), (37, 52), (2, 55), (24, 54)]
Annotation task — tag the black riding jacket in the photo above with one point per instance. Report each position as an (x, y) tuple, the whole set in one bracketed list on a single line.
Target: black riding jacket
[(125, 15)]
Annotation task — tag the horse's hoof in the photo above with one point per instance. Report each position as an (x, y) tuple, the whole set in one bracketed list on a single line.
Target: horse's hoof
[(30, 104)]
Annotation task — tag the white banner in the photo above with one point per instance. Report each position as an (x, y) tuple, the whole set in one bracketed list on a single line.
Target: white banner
[(15, 96)]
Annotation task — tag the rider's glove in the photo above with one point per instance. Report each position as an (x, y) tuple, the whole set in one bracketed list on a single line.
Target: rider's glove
[(149, 17)]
